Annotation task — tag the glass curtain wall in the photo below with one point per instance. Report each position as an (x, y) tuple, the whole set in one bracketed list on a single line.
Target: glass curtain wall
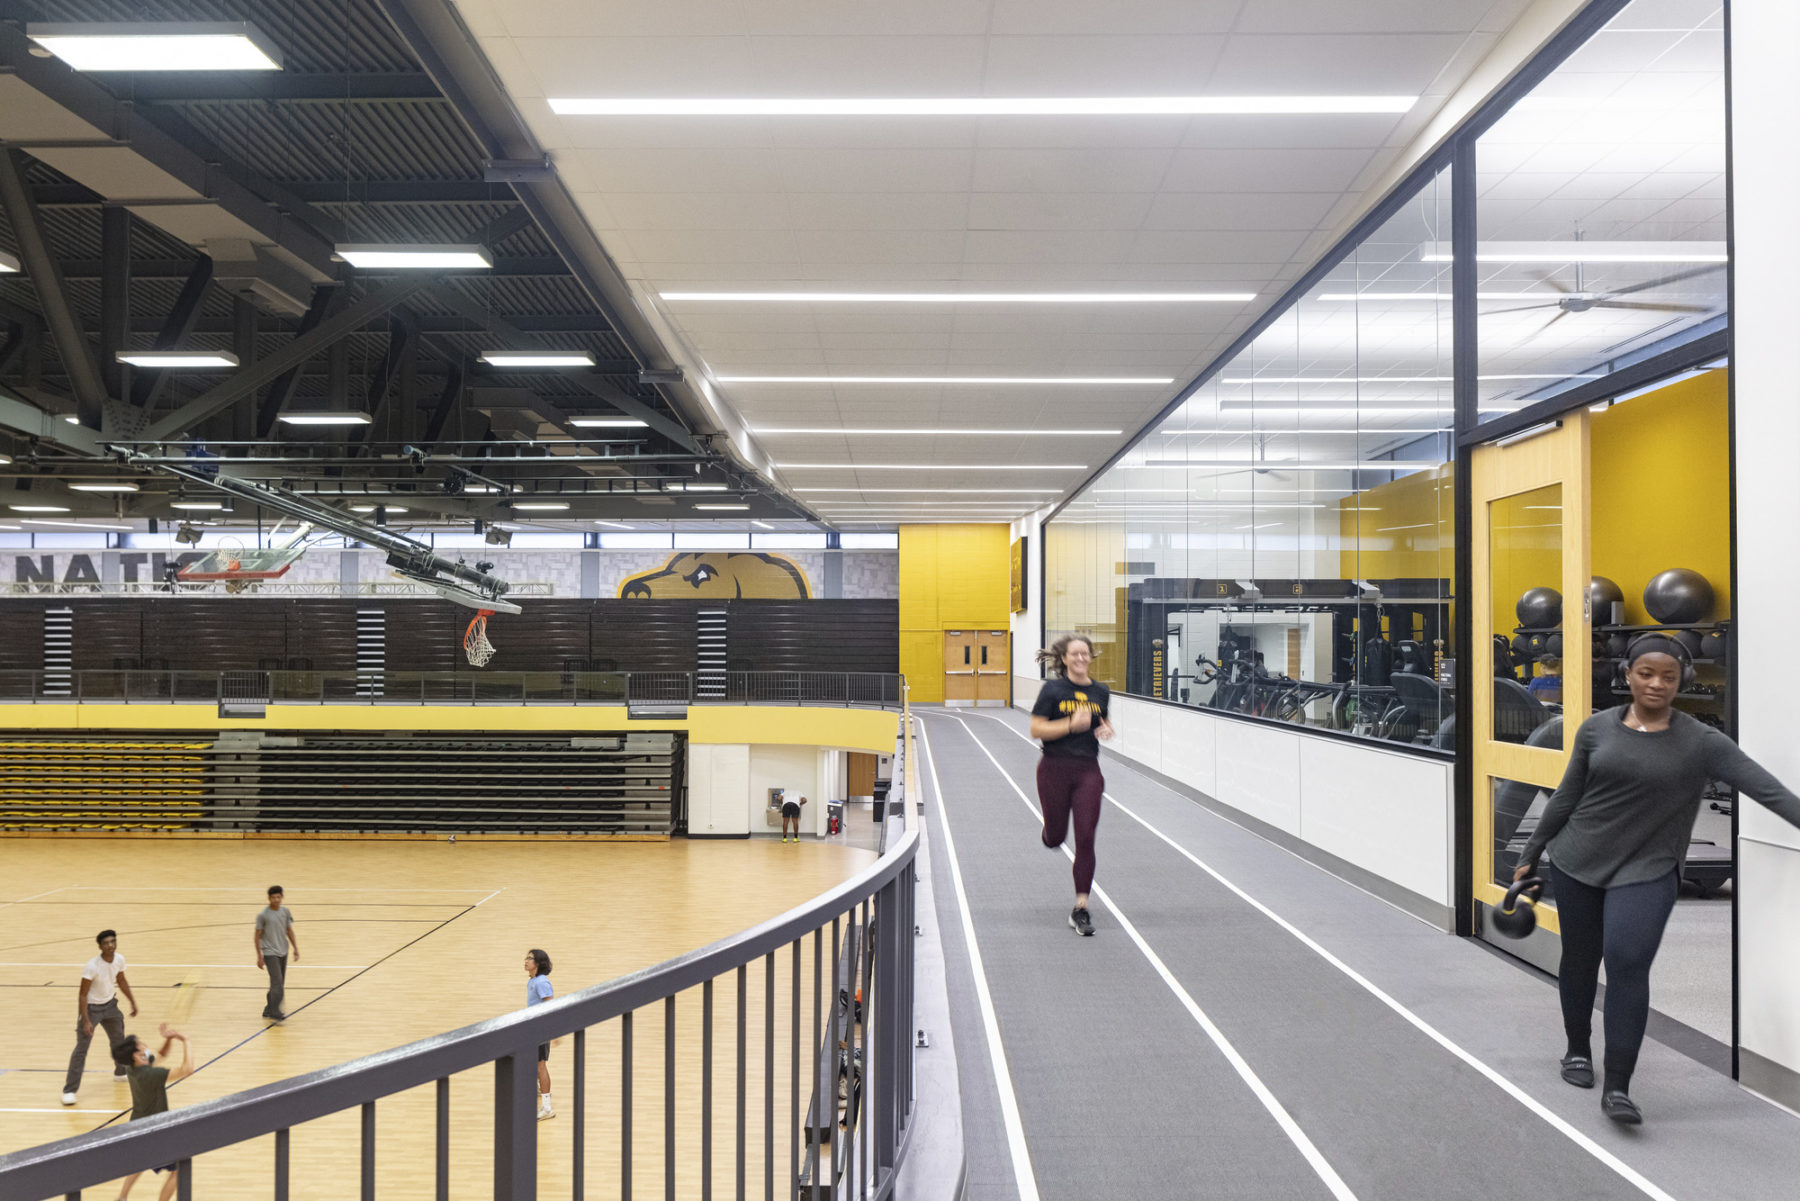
[(1281, 545)]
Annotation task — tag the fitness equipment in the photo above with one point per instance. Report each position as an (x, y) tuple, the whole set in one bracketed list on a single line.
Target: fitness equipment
[(1538, 642), (1616, 644), (1540, 608), (1715, 645), (1678, 597), (1553, 646), (1521, 646), (1690, 639), (1517, 914), (1602, 592)]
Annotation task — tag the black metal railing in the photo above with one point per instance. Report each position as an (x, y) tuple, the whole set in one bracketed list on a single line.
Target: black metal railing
[(852, 1078), (444, 687)]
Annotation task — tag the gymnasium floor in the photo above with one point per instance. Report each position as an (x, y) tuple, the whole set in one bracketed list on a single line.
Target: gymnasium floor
[(1245, 1025), (399, 941)]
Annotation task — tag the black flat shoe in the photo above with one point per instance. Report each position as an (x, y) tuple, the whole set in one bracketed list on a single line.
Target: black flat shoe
[(1578, 1070), (1621, 1108)]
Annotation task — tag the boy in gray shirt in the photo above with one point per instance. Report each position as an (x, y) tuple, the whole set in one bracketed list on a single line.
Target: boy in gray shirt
[(274, 936)]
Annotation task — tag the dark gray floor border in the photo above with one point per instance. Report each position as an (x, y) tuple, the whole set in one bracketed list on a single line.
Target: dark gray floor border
[(1767, 1078)]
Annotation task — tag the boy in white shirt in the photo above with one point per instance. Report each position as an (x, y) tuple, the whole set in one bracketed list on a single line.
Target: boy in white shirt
[(98, 1005)]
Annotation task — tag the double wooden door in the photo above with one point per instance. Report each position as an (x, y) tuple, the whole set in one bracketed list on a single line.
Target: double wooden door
[(976, 667)]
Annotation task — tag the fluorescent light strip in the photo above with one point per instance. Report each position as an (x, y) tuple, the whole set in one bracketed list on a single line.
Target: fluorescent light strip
[(1583, 252), (537, 358), (177, 358), (703, 488), (326, 418), (372, 508), (977, 106), (415, 257), (931, 432), (76, 525), (588, 423), (157, 45), (198, 506), (942, 379), (727, 508), (539, 506), (971, 297), (38, 508), (1434, 297), (930, 467), (103, 487)]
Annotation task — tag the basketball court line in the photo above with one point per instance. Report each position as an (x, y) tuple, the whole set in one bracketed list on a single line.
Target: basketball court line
[(1315, 1158), (341, 967), (32, 897), (1625, 1171), (132, 888)]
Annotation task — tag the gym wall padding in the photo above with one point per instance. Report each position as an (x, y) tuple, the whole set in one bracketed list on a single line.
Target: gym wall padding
[(952, 577), (1661, 493)]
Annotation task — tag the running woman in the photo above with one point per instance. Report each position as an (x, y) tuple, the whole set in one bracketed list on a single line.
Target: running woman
[(537, 991), (1070, 714), (150, 1090), (1617, 831), (98, 1005)]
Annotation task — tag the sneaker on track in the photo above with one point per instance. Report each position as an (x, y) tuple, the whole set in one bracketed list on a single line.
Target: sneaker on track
[(545, 1113), (1081, 923), (68, 1098)]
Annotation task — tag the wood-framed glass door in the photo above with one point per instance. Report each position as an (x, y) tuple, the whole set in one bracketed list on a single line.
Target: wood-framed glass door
[(1530, 686)]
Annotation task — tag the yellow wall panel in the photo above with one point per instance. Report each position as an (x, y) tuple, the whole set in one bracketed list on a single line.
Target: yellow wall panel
[(952, 577)]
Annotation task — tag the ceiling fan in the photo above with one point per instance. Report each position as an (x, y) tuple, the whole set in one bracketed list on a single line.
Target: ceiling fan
[(1576, 300)]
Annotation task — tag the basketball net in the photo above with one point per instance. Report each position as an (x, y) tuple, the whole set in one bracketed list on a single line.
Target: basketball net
[(475, 640)]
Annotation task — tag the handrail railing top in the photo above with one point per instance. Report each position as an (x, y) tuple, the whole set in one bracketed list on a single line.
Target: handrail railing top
[(50, 1170)]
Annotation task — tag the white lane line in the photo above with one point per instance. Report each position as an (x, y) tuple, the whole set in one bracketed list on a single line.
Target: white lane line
[(1003, 1082), (292, 967), (32, 897), (132, 888), (1311, 1153), (60, 1109), (1625, 1170)]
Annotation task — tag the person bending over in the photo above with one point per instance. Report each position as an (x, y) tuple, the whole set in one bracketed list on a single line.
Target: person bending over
[(1617, 831), (1069, 717)]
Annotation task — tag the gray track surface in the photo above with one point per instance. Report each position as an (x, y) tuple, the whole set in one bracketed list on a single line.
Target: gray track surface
[(1121, 1093)]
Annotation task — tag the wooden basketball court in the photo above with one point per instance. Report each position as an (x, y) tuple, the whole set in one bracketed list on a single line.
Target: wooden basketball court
[(399, 941)]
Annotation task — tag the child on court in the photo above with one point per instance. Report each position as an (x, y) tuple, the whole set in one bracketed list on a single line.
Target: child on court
[(790, 812), (150, 1090), (97, 1005), (274, 935), (538, 990)]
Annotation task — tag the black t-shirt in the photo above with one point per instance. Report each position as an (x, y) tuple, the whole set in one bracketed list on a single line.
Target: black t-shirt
[(1057, 699)]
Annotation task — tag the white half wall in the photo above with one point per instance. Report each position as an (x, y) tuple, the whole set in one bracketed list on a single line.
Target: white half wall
[(1765, 363), (803, 771), (718, 780), (1382, 811)]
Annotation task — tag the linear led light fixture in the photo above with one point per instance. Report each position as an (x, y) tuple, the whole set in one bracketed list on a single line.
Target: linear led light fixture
[(607, 423), (930, 432), (416, 257), (1435, 297), (1583, 252), (198, 506), (37, 508), (539, 506), (723, 508), (706, 488), (326, 417), (8, 264), (372, 508), (977, 106), (177, 358), (157, 45), (1303, 464), (538, 358), (1096, 381), (971, 297), (931, 467), (74, 525), (118, 487)]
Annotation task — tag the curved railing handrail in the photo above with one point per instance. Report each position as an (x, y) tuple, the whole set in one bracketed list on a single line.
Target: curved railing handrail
[(86, 1160)]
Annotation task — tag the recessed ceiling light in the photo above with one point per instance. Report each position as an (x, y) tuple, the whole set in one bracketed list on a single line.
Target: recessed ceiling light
[(177, 358), (977, 106), (972, 297), (932, 432), (157, 45), (120, 487), (1096, 381), (333, 417), (37, 508), (931, 467), (1583, 252), (607, 422), (372, 508), (540, 506), (723, 507), (415, 257), (538, 358), (8, 264), (198, 506)]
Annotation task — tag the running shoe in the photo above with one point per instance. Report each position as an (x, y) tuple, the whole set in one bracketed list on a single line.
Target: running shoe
[(68, 1098), (545, 1113), (1621, 1108), (1578, 1070), (1081, 923)]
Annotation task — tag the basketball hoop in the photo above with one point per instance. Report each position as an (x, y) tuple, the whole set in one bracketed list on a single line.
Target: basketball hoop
[(475, 641)]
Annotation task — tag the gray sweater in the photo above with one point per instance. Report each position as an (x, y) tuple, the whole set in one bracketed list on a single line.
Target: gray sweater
[(1626, 807)]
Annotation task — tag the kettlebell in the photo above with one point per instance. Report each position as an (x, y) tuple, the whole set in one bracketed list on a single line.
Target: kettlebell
[(1517, 915)]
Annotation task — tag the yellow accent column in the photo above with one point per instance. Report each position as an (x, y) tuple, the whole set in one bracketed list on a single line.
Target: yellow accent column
[(952, 577)]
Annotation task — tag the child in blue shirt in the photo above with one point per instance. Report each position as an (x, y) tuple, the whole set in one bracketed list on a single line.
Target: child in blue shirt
[(537, 991)]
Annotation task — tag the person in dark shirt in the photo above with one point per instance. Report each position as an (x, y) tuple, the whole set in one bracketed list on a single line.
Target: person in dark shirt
[(1070, 718), (149, 1090), (1617, 831)]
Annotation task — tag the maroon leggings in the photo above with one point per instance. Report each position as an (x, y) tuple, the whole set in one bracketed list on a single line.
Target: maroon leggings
[(1071, 784)]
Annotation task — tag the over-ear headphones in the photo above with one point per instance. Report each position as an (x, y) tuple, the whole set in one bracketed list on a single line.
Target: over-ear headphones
[(1672, 647)]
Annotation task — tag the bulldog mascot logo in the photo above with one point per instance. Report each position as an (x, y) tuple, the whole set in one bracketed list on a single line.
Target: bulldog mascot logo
[(719, 575)]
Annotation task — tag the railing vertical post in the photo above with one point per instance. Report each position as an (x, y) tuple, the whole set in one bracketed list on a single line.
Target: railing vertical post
[(281, 1165), (669, 1098), (443, 1140), (818, 1043), (515, 1126), (625, 1108), (706, 1115), (368, 1151), (743, 997), (184, 1176), (769, 1077), (794, 1083), (578, 1170)]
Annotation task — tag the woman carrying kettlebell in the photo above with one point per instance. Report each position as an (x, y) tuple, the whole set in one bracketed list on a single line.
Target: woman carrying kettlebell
[(1617, 831)]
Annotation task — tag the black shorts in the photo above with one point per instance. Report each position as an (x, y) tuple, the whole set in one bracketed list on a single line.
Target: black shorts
[(789, 809), (165, 1168), (543, 1052)]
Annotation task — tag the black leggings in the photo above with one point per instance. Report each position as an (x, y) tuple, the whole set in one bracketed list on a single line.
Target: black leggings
[(1070, 786), (1622, 926)]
